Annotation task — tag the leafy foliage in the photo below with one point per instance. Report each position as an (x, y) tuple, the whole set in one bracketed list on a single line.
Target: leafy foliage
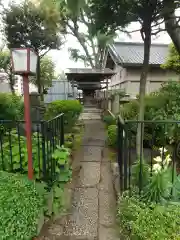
[(173, 60), (73, 15), (119, 12), (73, 141), (20, 207), (157, 182), (5, 66), (70, 108), (31, 28), (58, 169), (141, 221), (109, 120), (160, 105), (140, 174), (112, 136), (47, 72), (12, 160), (11, 107), (13, 145), (152, 203), (64, 174)]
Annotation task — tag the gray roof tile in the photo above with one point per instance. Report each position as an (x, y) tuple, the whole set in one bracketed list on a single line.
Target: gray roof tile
[(89, 71), (133, 53)]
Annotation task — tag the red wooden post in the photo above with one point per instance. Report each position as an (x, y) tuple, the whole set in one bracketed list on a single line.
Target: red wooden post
[(27, 119)]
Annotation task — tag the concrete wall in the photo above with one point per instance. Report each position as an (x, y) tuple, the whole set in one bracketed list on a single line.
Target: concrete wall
[(128, 79)]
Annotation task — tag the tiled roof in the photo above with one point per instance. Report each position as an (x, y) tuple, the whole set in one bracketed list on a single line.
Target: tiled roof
[(133, 53), (89, 71)]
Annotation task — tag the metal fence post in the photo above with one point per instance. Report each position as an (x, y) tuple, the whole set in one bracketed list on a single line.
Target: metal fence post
[(120, 153), (125, 152), (62, 130), (43, 149)]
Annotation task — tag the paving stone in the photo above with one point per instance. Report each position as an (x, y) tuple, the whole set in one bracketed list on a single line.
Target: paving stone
[(84, 219), (107, 208), (56, 230), (108, 233), (106, 183), (89, 174), (91, 154)]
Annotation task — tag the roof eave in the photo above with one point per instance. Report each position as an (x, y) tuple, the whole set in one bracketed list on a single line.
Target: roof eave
[(114, 55), (140, 65)]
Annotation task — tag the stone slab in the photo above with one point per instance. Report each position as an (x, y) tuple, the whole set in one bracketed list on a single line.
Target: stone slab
[(89, 174), (107, 208), (84, 219), (108, 233), (106, 183), (91, 154)]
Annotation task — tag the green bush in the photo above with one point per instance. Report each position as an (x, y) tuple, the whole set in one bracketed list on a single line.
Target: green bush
[(11, 107), (112, 136), (71, 109), (20, 207), (139, 221), (163, 104), (109, 120)]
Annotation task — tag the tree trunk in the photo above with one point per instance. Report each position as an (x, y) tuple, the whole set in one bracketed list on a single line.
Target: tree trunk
[(171, 25), (11, 82), (12, 89), (142, 89), (40, 88)]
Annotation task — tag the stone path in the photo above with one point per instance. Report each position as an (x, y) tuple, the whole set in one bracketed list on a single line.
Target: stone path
[(93, 210)]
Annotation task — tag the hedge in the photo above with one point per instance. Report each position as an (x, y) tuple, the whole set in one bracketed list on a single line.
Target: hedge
[(20, 207), (70, 108)]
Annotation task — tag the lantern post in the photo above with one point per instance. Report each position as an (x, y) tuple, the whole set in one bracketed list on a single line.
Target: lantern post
[(24, 63)]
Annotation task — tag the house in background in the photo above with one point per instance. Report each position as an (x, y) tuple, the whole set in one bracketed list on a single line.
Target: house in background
[(18, 86), (126, 59)]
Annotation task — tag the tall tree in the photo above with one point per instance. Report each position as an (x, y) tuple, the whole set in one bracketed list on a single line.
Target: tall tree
[(47, 72), (146, 12), (26, 25), (172, 21), (6, 67), (77, 17)]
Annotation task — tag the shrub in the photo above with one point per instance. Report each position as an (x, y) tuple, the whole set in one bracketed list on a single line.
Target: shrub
[(11, 107), (70, 108), (163, 104), (112, 136), (109, 120), (20, 207), (151, 222)]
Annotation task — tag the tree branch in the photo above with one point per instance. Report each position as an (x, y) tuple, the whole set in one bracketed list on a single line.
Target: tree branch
[(76, 34), (42, 55)]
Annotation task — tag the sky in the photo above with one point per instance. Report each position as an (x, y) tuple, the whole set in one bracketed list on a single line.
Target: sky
[(61, 57)]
